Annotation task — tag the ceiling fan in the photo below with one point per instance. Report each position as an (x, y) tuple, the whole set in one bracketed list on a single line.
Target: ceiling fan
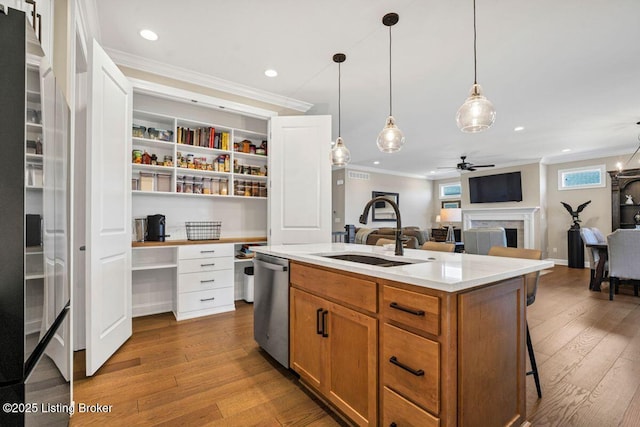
[(467, 166)]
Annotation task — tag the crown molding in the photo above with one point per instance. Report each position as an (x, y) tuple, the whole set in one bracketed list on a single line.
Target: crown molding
[(588, 155), (173, 93), (201, 79)]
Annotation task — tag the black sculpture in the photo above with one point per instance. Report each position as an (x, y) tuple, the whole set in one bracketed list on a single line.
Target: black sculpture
[(574, 214)]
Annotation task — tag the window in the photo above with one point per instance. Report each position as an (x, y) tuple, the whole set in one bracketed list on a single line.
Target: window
[(586, 177), (451, 190)]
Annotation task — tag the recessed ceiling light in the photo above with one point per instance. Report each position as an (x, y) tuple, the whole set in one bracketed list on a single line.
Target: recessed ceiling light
[(270, 72), (518, 128), (432, 172), (377, 162), (149, 35), (566, 150)]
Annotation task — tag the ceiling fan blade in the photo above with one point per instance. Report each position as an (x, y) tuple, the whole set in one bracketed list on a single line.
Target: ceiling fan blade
[(470, 168), (484, 166)]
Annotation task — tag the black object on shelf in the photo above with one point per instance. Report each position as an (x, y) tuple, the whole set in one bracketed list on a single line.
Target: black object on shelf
[(576, 248), (34, 231)]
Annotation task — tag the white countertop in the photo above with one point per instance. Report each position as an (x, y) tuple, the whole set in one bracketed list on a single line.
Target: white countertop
[(449, 272)]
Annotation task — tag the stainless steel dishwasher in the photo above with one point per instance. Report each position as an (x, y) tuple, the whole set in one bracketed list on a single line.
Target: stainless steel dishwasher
[(271, 306)]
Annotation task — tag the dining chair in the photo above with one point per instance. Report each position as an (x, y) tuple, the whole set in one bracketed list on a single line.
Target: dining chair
[(593, 236), (531, 283), (480, 240), (439, 246), (623, 248), (407, 242)]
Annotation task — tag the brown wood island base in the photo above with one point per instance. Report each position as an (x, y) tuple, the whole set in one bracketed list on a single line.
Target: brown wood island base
[(382, 352)]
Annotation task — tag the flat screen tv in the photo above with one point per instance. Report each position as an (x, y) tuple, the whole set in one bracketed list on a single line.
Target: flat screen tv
[(504, 187)]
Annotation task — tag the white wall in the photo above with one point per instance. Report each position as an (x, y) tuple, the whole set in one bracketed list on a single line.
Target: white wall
[(415, 196), (245, 217)]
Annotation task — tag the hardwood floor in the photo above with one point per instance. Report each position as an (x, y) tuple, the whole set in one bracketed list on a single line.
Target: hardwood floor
[(209, 371)]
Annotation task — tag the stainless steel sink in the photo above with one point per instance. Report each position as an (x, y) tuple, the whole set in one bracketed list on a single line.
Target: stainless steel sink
[(372, 260)]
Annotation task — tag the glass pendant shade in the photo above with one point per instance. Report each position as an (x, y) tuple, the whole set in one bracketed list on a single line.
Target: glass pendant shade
[(390, 139), (340, 155), (477, 112)]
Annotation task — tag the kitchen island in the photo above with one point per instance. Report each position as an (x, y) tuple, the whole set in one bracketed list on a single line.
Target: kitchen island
[(439, 341)]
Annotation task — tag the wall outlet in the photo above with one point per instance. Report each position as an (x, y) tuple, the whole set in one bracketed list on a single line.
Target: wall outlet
[(337, 220), (555, 250)]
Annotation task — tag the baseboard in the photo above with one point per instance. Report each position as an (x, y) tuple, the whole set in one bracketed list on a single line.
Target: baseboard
[(154, 308), (558, 261)]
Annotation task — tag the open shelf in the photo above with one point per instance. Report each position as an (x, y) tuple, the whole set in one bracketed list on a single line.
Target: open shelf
[(143, 267)]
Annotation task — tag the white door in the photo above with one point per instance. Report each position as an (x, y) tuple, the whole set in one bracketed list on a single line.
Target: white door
[(108, 297), (55, 143), (300, 180)]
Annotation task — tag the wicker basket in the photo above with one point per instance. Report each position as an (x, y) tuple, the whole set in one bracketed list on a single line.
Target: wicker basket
[(203, 230)]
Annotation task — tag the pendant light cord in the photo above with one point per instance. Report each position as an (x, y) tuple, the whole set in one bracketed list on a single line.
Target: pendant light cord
[(339, 101), (390, 103), (475, 65)]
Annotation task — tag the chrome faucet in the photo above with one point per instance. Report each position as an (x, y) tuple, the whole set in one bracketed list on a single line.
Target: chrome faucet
[(365, 215)]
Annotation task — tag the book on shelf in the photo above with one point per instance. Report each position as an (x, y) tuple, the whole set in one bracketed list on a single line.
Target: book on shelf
[(225, 141), (211, 136)]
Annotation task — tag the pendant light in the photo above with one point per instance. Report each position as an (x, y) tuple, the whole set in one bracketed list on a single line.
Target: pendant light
[(477, 113), (391, 139), (340, 155)]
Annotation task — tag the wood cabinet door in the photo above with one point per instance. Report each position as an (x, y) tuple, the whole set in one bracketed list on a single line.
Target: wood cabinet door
[(353, 352), (307, 345)]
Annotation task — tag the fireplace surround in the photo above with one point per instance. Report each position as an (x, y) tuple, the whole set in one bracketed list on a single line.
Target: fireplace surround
[(522, 219)]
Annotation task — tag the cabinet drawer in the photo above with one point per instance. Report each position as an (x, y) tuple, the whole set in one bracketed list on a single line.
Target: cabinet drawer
[(351, 290), (204, 264), (202, 300), (411, 367), (396, 410), (191, 282), (413, 309), (205, 251)]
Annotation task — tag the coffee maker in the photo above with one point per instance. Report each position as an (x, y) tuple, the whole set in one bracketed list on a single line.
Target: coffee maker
[(156, 228)]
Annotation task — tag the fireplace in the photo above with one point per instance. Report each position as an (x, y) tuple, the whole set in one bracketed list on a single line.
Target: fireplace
[(521, 223), (512, 237)]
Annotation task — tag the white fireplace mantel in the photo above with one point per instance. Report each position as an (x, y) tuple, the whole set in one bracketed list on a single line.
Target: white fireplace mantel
[(526, 215)]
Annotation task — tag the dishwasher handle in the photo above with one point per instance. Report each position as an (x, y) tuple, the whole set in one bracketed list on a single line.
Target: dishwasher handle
[(274, 267)]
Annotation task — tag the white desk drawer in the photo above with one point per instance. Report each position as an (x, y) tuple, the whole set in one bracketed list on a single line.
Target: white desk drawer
[(206, 251), (202, 300), (204, 264), (192, 282)]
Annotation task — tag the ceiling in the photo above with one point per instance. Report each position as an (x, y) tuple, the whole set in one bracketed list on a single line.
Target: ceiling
[(567, 71)]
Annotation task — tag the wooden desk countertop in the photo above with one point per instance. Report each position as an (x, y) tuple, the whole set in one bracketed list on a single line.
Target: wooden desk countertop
[(199, 242)]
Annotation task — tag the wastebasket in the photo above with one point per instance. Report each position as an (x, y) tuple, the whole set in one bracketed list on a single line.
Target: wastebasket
[(248, 284)]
